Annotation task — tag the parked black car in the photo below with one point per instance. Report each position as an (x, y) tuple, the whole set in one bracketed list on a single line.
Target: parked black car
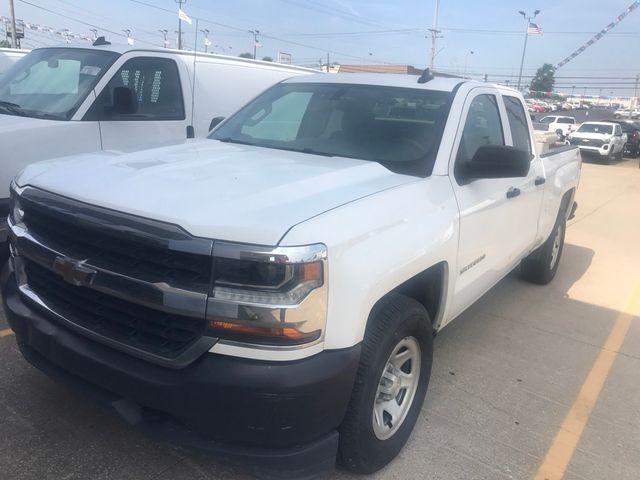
[(632, 129)]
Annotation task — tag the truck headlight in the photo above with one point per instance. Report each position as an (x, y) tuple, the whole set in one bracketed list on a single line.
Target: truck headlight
[(268, 296)]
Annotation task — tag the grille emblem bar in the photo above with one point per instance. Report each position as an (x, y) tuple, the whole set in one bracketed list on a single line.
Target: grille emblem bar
[(73, 271)]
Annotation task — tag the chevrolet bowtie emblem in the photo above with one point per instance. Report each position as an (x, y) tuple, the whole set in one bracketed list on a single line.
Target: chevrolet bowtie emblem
[(73, 271)]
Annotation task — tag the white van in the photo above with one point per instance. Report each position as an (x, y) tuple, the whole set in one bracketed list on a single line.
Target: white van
[(63, 101), (9, 56)]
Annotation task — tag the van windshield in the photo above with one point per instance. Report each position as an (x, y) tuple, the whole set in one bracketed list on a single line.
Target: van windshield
[(397, 127), (52, 82)]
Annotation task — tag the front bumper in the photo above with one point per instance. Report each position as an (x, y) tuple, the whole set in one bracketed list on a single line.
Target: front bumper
[(602, 151), (281, 415)]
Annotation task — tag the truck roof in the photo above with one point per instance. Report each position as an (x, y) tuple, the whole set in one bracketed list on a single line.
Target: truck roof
[(122, 49), (444, 84)]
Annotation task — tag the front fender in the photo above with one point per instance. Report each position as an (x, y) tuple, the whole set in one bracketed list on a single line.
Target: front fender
[(377, 243)]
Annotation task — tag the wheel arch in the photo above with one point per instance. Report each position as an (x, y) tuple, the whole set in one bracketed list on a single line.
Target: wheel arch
[(428, 287)]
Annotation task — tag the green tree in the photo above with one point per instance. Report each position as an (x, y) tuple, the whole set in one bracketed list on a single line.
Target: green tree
[(267, 59), (246, 55), (5, 44), (544, 79)]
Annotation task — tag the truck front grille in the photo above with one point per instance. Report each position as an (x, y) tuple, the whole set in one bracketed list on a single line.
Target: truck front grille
[(139, 327), (148, 281)]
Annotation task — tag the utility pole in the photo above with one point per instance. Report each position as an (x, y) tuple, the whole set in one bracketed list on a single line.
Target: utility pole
[(635, 91), (255, 42), (435, 34), (180, 3), (526, 37), (328, 62), (14, 35)]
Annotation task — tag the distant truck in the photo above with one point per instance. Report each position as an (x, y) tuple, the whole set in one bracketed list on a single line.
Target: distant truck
[(271, 293), (604, 139), (9, 56), (562, 126), (67, 100)]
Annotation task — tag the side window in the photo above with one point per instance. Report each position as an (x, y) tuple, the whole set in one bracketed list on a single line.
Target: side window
[(618, 130), (518, 123), (155, 84), (482, 127), (547, 120)]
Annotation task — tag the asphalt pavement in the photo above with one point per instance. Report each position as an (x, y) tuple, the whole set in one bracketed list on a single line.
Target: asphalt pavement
[(527, 379)]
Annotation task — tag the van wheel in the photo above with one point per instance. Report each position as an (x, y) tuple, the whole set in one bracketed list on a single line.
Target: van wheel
[(390, 385), (542, 264)]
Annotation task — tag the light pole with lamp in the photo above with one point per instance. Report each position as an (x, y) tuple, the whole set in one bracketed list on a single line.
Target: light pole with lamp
[(164, 33), (206, 33), (255, 34), (526, 37)]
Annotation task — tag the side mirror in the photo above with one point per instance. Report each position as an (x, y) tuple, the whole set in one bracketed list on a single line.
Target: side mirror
[(124, 101), (215, 122), (495, 161)]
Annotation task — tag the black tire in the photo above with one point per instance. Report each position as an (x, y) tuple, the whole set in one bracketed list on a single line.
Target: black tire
[(539, 267), (393, 320), (610, 158), (560, 135)]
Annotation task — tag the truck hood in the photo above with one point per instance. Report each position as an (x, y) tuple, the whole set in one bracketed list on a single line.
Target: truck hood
[(213, 189), (15, 123)]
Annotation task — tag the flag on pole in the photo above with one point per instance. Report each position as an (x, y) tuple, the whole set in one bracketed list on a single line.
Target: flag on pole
[(129, 41), (184, 16), (207, 42), (258, 45), (534, 29)]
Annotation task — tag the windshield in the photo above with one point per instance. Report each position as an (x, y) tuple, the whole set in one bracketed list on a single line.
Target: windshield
[(595, 128), (52, 82), (399, 128)]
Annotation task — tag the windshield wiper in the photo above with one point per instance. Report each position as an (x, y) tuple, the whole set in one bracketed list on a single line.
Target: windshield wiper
[(12, 108), (235, 140)]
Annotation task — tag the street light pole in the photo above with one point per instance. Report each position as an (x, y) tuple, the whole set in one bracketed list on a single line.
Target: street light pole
[(434, 34), (206, 39), (526, 38), (255, 42), (164, 33)]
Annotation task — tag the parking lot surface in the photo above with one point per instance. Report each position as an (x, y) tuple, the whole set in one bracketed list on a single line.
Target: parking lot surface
[(527, 382)]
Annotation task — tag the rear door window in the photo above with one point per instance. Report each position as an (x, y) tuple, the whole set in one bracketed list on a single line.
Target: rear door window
[(518, 123)]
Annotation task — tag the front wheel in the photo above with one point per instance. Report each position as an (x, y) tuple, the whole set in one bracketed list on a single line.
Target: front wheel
[(390, 385), (541, 265)]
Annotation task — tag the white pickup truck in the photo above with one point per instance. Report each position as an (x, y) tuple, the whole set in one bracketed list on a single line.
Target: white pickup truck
[(604, 139), (271, 293), (9, 56), (562, 126), (61, 101)]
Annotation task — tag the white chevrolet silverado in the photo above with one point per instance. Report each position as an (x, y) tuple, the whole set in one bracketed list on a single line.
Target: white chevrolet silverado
[(271, 293)]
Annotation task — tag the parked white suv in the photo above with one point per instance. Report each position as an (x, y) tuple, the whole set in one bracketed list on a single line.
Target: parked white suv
[(605, 139), (272, 292), (562, 126)]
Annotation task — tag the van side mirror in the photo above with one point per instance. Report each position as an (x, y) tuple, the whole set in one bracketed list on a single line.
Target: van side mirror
[(215, 122), (124, 101), (495, 161)]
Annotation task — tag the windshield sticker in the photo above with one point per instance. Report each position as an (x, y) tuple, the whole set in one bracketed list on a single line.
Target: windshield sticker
[(90, 70)]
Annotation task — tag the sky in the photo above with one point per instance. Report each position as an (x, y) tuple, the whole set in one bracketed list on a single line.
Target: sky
[(375, 31)]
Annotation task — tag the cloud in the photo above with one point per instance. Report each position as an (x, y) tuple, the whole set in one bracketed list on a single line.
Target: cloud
[(348, 7)]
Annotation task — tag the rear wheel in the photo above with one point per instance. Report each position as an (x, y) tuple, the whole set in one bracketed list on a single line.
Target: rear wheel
[(390, 386)]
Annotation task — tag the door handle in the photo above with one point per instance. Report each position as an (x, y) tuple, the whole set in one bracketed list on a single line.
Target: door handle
[(513, 192), (540, 181)]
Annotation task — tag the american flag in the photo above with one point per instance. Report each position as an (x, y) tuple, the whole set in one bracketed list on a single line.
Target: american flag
[(534, 29)]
